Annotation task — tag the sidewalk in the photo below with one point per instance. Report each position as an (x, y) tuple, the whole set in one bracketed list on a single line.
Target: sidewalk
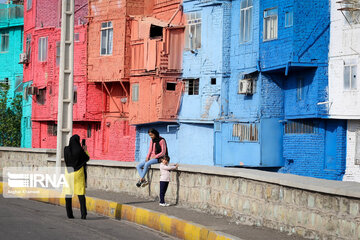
[(215, 223)]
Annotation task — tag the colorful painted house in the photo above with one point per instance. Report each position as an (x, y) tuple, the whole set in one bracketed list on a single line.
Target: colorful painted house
[(294, 46), (156, 46), (42, 44), (11, 32), (344, 59), (249, 131), (108, 69)]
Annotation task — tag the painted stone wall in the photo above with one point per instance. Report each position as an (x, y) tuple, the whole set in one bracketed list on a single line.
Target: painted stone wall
[(311, 208)]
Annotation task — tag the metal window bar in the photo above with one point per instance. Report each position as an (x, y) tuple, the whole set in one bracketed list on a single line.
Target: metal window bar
[(301, 127), (244, 132)]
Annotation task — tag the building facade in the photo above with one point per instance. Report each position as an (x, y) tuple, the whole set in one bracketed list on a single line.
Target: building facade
[(343, 84), (11, 32)]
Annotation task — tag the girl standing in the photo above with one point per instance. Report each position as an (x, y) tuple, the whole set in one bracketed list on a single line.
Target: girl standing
[(165, 178)]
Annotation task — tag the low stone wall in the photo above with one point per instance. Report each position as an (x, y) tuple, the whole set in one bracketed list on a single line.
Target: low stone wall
[(312, 208)]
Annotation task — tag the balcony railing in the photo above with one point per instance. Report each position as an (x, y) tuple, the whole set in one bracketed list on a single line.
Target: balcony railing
[(11, 14)]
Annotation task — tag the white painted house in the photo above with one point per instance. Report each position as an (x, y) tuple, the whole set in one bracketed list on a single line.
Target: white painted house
[(344, 84)]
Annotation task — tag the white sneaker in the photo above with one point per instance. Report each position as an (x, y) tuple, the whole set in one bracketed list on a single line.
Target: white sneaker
[(164, 204)]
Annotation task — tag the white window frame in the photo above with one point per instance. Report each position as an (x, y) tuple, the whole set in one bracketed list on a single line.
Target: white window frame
[(28, 5), (270, 21), (289, 19), (193, 31), (107, 30), (135, 92), (3, 37), (351, 74), (42, 49), (246, 14)]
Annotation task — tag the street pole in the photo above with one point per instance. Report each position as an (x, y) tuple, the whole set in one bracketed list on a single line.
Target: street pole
[(66, 80)]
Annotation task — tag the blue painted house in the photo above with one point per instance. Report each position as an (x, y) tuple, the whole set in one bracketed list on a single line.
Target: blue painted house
[(275, 112), (294, 47), (249, 131), (11, 72), (11, 33)]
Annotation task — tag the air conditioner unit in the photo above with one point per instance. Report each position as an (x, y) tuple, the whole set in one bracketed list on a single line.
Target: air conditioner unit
[(245, 86), (23, 58), (32, 90)]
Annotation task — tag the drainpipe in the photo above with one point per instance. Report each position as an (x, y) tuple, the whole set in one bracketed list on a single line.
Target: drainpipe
[(225, 97)]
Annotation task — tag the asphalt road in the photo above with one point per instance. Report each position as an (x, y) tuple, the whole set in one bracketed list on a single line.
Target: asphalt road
[(30, 220)]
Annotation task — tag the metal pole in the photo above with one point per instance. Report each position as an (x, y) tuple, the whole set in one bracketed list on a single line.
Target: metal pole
[(66, 80)]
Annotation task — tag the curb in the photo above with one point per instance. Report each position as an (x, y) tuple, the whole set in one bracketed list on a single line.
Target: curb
[(170, 225)]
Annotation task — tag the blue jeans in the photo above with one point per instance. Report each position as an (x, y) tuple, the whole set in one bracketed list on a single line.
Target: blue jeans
[(143, 166)]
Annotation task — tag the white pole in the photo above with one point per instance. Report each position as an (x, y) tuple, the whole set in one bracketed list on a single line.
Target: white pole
[(66, 80)]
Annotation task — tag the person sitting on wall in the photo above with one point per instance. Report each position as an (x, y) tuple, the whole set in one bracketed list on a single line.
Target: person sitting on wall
[(157, 150), (75, 160)]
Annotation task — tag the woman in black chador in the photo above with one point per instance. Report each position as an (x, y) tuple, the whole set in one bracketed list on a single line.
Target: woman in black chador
[(75, 161)]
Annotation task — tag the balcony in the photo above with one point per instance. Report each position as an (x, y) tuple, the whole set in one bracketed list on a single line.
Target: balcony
[(11, 15), (158, 53)]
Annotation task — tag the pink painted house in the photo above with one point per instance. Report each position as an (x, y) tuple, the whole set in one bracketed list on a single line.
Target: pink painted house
[(41, 41)]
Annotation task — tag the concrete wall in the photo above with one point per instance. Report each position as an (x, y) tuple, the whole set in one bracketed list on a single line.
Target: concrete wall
[(312, 208)]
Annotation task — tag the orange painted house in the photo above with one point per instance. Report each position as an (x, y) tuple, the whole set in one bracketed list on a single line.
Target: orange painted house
[(108, 69), (156, 59)]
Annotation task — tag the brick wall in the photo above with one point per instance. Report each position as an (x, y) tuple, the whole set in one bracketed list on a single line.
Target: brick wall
[(304, 154)]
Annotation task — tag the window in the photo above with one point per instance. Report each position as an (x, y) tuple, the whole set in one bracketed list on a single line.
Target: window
[(106, 38), (301, 127), (246, 20), (170, 86), (135, 92), (28, 46), (270, 24), (156, 31), (40, 98), (42, 54), (245, 132), (299, 89), (52, 129), (213, 81), (192, 86), (57, 53), (193, 31), (18, 83), (88, 135), (75, 96), (289, 19), (77, 37), (4, 42), (350, 71), (4, 84), (28, 4)]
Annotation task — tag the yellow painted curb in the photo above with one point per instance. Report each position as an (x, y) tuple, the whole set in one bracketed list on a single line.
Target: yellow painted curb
[(158, 221)]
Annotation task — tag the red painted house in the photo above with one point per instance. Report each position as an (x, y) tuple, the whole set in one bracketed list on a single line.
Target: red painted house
[(41, 40)]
